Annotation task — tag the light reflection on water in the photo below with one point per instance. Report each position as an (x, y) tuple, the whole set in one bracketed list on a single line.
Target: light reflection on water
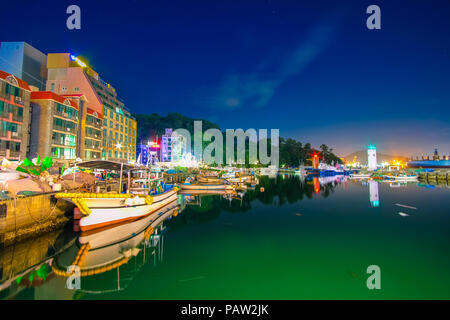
[(301, 238)]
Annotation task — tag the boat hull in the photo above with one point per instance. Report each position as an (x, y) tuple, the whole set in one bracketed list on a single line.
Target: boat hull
[(111, 202), (209, 180), (103, 216), (205, 192), (205, 187), (234, 180)]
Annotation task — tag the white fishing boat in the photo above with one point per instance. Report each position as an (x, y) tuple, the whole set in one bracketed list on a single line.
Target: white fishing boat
[(189, 185), (98, 238), (205, 192), (99, 210), (240, 179), (269, 171), (405, 177), (206, 187), (209, 180)]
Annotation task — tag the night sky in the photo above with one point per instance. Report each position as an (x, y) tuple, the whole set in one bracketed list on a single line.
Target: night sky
[(310, 68)]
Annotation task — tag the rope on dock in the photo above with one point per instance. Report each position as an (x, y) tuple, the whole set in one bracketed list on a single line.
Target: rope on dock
[(31, 215)]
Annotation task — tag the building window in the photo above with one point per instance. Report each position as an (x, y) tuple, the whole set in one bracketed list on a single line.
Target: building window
[(76, 89), (52, 88)]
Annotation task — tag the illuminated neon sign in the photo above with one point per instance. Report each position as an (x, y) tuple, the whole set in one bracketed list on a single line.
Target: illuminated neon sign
[(155, 145)]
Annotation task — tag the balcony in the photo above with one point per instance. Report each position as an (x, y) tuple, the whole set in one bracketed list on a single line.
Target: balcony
[(65, 129), (93, 135), (65, 115), (16, 135), (17, 117), (60, 143), (5, 95), (18, 100), (89, 145), (97, 125), (4, 115)]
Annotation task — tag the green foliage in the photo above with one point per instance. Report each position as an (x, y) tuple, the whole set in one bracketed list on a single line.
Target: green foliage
[(292, 153), (154, 124), (27, 166), (181, 169), (47, 163)]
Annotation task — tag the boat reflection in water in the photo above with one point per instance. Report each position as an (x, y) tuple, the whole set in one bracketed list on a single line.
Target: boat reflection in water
[(103, 255)]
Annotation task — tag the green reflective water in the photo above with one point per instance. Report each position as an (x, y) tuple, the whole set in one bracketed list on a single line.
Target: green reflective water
[(296, 240)]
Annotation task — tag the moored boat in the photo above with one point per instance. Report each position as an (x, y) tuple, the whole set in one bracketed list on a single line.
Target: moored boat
[(196, 186), (405, 177), (240, 179), (209, 180), (205, 192), (99, 210)]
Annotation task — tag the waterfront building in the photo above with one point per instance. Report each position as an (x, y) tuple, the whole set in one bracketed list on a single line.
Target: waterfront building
[(54, 126), (372, 157), (24, 62), (149, 152), (173, 146), (14, 116), (93, 126), (68, 75)]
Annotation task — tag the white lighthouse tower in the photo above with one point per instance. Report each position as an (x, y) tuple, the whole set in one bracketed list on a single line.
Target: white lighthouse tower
[(372, 157)]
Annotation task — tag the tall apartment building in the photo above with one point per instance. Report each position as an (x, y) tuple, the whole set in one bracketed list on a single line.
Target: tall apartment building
[(54, 126), (14, 116), (173, 146), (68, 75), (25, 62), (93, 126)]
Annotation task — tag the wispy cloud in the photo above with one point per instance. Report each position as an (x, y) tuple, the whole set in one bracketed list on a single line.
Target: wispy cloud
[(258, 87)]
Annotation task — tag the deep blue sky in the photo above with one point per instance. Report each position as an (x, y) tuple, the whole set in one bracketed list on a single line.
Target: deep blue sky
[(310, 68)]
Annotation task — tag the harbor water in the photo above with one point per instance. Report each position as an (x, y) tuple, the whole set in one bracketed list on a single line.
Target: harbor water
[(297, 238)]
